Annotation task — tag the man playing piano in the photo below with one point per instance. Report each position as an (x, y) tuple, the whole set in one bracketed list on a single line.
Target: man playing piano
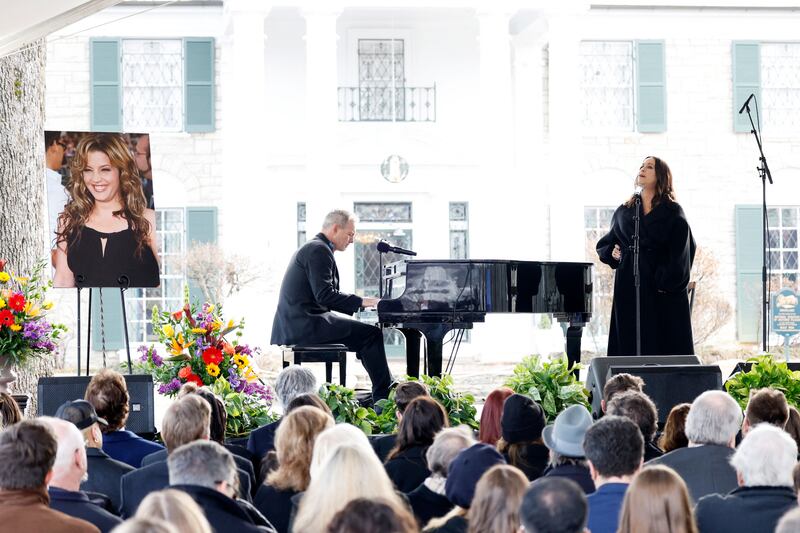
[(310, 294)]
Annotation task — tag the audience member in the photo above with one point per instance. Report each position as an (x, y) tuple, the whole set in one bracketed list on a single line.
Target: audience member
[(554, 505), (763, 462), (674, 435), (403, 394), (498, 496), (291, 382), (564, 439), (790, 522), (711, 427), (206, 471), (108, 394), (429, 500), (796, 480), (350, 471), (657, 501), (294, 443), (9, 410), (642, 411), (793, 424), (68, 470), (521, 441), (765, 406), (27, 453), (614, 448), (620, 383), (103, 472), (364, 515), (491, 414), (175, 507), (422, 420), (465, 471), (145, 525), (218, 422)]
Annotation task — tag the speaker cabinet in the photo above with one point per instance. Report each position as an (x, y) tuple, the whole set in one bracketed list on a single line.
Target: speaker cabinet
[(54, 391), (598, 372)]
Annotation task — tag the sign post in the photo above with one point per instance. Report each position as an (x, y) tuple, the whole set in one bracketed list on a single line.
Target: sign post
[(786, 316)]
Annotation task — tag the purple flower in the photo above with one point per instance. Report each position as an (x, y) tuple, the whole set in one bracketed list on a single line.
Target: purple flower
[(237, 383), (36, 330), (169, 388)]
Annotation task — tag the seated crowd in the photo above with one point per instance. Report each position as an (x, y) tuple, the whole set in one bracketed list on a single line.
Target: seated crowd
[(82, 471)]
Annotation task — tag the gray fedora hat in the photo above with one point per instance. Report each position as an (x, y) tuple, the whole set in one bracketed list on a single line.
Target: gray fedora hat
[(565, 435)]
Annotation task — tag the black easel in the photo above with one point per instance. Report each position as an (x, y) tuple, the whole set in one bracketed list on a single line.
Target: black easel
[(764, 174)]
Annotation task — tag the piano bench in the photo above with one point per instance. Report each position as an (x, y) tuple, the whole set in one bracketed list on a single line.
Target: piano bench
[(318, 353)]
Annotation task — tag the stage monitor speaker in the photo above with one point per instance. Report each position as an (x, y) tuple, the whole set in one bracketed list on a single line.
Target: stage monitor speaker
[(669, 385), (745, 366), (598, 370), (54, 391)]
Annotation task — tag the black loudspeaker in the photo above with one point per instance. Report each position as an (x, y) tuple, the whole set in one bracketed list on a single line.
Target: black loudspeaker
[(598, 372), (669, 385), (54, 391)]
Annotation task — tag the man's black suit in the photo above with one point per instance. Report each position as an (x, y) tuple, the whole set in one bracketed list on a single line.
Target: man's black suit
[(104, 475), (241, 463), (309, 293)]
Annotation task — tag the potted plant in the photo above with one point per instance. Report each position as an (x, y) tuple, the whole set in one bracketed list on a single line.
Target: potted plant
[(550, 383), (25, 332), (765, 372)]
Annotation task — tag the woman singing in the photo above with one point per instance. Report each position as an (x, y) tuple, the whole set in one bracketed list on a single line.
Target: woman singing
[(665, 261), (106, 235)]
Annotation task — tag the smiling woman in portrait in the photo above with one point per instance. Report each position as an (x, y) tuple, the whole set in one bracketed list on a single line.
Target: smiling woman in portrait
[(106, 235)]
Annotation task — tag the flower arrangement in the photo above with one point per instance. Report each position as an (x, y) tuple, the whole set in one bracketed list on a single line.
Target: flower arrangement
[(25, 331), (198, 351)]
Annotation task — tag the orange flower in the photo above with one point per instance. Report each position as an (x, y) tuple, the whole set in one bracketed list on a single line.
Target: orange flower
[(228, 348), (185, 372)]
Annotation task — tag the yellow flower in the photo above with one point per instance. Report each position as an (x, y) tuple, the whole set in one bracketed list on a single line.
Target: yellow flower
[(47, 305), (15, 327), (216, 325), (241, 360), (199, 330), (2, 303), (168, 330), (213, 370), (210, 308), (4, 277), (32, 311), (230, 324), (21, 280), (250, 375)]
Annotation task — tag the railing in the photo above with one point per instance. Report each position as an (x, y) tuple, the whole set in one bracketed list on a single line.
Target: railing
[(387, 104)]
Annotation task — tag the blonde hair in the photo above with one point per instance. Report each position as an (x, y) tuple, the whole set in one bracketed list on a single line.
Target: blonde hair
[(657, 501), (81, 203), (145, 525), (350, 472), (330, 439), (175, 507), (294, 443), (498, 496)]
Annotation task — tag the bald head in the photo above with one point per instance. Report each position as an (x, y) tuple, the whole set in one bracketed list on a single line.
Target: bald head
[(70, 466)]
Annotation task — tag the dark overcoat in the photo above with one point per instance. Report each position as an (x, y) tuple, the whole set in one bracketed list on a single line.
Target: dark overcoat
[(667, 251)]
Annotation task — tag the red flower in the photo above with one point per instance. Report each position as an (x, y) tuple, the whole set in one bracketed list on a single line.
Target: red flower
[(185, 372), (194, 378), (6, 317), (2, 264), (212, 355), (177, 315), (16, 302)]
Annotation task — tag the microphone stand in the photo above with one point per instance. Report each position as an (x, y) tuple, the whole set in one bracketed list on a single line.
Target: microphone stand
[(636, 277), (764, 174)]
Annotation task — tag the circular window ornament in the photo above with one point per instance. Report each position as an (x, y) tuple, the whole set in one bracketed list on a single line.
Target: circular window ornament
[(394, 169)]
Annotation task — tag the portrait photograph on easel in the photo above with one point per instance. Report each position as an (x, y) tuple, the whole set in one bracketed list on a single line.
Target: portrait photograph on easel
[(101, 216)]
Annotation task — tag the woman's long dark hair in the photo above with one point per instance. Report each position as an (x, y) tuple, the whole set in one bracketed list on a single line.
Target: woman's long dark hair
[(664, 190), (422, 420)]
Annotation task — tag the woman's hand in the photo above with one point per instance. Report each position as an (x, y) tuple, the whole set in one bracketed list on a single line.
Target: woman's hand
[(616, 253)]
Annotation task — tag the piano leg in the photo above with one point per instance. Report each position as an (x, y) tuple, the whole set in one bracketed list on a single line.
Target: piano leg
[(434, 357), (574, 334), (413, 337)]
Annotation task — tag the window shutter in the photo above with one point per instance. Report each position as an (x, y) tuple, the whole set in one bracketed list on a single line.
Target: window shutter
[(112, 326), (746, 81), (106, 86), (748, 272), (198, 87), (201, 228), (651, 91)]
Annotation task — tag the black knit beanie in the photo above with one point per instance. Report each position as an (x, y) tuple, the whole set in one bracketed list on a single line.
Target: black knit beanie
[(523, 419)]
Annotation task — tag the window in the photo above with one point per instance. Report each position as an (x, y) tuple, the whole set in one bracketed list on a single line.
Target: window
[(381, 79), (623, 86), (597, 222), (459, 230), (170, 232), (301, 224), (783, 248), (379, 220), (152, 84), (780, 85)]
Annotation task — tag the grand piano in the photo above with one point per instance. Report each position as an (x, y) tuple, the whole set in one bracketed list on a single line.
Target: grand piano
[(432, 298)]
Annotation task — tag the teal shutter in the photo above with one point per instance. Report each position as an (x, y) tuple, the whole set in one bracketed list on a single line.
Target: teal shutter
[(198, 89), (106, 84), (651, 87), (201, 227), (112, 326), (746, 81), (748, 272)]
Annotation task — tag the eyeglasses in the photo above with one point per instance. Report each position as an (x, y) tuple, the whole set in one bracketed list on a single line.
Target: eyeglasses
[(61, 144)]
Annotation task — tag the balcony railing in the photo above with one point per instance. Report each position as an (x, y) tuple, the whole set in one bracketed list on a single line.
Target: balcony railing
[(387, 104)]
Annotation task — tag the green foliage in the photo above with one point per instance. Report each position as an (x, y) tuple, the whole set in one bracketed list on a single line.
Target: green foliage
[(765, 372), (460, 407), (345, 408), (550, 383), (245, 411)]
